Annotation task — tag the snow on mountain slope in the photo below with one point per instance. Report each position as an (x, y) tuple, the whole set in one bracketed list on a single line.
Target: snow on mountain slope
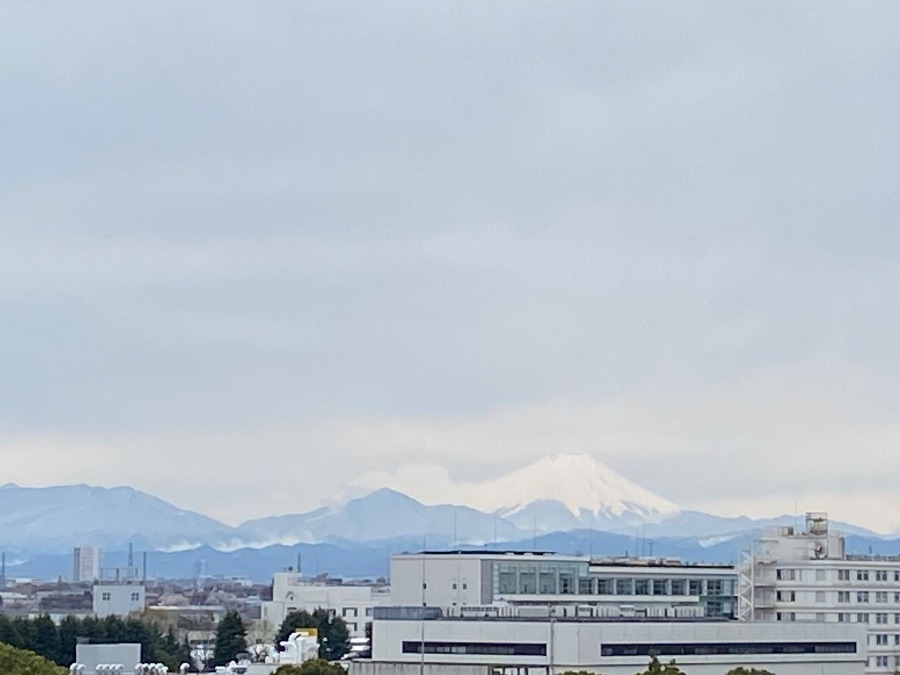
[(580, 483), (383, 514), (55, 519)]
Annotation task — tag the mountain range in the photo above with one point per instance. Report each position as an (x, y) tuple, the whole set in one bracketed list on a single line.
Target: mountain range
[(569, 503)]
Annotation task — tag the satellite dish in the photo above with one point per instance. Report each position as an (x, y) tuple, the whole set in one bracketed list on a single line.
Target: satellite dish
[(819, 550)]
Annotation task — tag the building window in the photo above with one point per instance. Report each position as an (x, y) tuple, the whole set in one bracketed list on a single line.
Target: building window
[(843, 596), (843, 575), (862, 617), (862, 575), (881, 639), (641, 587), (786, 596), (695, 587), (881, 596), (104, 597), (453, 586), (881, 661), (624, 587), (678, 587), (862, 596), (820, 596), (881, 617), (481, 648), (880, 575), (135, 597), (786, 575), (660, 587)]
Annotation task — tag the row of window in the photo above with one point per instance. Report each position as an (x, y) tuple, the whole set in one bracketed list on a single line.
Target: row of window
[(865, 597), (106, 596), (883, 661), (481, 648), (712, 648), (877, 618), (788, 574)]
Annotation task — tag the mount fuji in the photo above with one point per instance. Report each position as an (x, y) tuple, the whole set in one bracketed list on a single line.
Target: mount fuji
[(568, 494)]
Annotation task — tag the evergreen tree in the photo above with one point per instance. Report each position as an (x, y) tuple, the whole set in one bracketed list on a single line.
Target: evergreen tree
[(46, 638), (230, 638), (8, 633), (68, 637), (334, 638)]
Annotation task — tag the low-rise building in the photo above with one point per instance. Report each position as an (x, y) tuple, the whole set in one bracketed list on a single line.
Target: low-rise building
[(408, 638), (119, 598), (353, 603), (480, 581)]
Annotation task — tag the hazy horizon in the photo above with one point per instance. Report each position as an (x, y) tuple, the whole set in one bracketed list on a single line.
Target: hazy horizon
[(284, 252)]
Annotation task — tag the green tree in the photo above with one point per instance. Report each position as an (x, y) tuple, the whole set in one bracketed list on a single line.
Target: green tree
[(656, 668), (749, 671), (311, 667), (46, 638), (15, 661), (68, 638), (8, 633), (334, 638), (231, 638)]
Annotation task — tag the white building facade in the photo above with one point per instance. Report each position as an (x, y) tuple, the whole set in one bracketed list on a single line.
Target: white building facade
[(613, 647), (86, 564), (793, 576), (352, 603), (473, 582), (120, 599)]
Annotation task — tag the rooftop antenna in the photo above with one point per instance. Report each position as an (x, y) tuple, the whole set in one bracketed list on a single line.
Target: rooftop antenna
[(455, 537), (591, 538)]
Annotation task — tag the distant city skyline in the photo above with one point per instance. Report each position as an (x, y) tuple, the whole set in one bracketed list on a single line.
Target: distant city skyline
[(256, 259)]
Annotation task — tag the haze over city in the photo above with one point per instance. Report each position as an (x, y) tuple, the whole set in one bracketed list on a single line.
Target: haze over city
[(261, 258)]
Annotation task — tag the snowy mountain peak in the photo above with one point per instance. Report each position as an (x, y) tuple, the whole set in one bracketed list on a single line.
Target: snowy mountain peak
[(582, 484)]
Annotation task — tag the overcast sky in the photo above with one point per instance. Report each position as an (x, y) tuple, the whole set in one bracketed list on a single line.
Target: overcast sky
[(255, 255)]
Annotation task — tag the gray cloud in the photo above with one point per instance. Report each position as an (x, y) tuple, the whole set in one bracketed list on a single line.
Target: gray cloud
[(221, 219)]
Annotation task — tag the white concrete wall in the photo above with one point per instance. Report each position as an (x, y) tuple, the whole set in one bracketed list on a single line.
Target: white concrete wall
[(354, 604), (576, 645), (118, 599), (450, 579), (90, 656)]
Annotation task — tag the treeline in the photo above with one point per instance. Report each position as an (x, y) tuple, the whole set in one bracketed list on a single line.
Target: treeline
[(57, 643)]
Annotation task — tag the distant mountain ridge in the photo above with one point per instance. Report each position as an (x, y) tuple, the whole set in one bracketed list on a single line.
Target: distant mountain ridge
[(560, 494)]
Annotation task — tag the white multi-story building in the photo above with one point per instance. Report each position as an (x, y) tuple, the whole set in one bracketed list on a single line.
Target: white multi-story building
[(86, 564), (119, 598), (428, 643), (352, 602), (484, 582), (794, 576)]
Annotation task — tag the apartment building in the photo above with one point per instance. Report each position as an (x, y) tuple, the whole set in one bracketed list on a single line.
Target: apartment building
[(790, 575)]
